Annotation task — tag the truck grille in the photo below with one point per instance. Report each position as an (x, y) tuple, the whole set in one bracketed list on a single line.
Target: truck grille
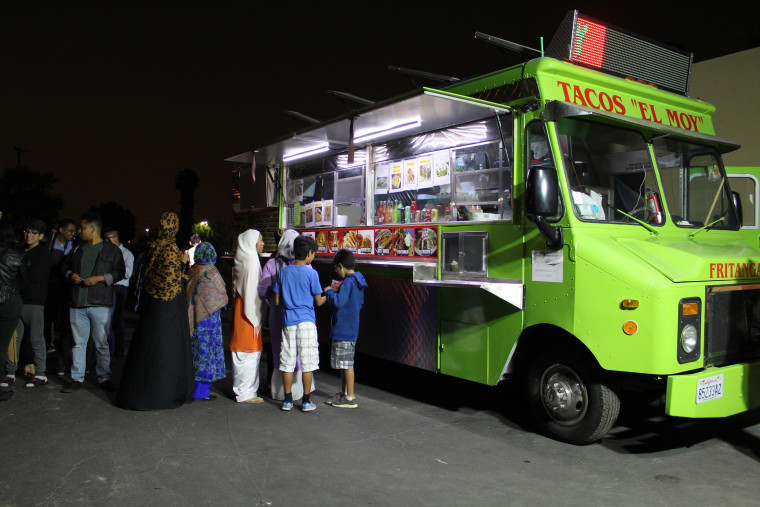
[(732, 330)]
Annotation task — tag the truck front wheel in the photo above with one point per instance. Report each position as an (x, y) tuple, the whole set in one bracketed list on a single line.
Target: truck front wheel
[(569, 399)]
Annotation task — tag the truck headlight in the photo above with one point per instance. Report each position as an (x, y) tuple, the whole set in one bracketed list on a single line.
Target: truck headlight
[(689, 338), (689, 325)]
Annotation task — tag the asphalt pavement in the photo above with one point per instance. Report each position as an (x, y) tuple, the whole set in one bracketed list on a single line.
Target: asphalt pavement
[(417, 438)]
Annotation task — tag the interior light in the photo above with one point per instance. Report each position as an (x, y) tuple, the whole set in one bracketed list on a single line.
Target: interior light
[(630, 327), (307, 153), (690, 309), (388, 131)]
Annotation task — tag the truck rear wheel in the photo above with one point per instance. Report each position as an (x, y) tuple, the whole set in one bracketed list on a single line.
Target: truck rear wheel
[(569, 399)]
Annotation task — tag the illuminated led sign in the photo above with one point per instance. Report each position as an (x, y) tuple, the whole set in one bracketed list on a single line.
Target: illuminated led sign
[(586, 41)]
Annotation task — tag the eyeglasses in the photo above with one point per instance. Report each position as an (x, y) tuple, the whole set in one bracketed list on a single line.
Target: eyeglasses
[(29, 231), (70, 231)]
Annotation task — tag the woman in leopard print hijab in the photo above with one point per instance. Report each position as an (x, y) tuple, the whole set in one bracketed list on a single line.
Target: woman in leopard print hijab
[(163, 272), (159, 369)]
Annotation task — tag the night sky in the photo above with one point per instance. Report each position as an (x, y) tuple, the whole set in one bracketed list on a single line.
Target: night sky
[(115, 98)]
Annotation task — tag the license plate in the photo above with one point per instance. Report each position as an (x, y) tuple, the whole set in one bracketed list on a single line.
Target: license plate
[(709, 388)]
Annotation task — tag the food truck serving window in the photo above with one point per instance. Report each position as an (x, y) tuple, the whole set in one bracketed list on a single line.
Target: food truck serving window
[(455, 174)]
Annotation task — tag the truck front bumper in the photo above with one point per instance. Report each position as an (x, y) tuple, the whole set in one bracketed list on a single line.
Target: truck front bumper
[(738, 385)]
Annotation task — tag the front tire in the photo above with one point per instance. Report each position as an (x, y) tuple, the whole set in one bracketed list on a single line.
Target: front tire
[(569, 399)]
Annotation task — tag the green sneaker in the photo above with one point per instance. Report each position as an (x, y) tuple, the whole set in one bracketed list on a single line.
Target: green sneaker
[(344, 402), (336, 397)]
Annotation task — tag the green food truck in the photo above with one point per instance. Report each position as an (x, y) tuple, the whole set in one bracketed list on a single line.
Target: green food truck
[(566, 222)]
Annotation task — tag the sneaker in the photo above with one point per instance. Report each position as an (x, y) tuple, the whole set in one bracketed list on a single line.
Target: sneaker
[(73, 387), (7, 381), (287, 406), (109, 386), (335, 398), (344, 402), (36, 382), (309, 406)]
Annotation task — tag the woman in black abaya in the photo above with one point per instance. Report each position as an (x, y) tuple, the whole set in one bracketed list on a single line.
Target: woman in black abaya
[(158, 372)]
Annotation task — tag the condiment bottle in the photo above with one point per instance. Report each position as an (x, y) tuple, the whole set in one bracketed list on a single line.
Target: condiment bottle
[(388, 212), (447, 214), (380, 213)]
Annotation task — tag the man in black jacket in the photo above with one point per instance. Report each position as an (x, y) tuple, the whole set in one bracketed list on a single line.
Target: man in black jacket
[(92, 268)]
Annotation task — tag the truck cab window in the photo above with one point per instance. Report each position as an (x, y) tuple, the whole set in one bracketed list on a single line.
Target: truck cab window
[(696, 187), (609, 173)]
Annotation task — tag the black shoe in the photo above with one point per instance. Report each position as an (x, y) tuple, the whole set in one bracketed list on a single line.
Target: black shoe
[(74, 386), (107, 386), (7, 381), (6, 395)]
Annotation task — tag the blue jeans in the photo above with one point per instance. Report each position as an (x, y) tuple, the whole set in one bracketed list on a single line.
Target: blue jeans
[(85, 322)]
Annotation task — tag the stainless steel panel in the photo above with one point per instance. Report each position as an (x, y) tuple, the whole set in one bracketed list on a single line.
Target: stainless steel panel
[(398, 322)]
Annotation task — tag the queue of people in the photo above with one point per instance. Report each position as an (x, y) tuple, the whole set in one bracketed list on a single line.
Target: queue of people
[(177, 350)]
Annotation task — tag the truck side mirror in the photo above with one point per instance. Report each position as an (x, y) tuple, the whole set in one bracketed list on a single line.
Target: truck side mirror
[(738, 205), (542, 192), (541, 201)]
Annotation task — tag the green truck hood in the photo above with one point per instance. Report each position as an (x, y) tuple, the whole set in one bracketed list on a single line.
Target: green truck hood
[(702, 259)]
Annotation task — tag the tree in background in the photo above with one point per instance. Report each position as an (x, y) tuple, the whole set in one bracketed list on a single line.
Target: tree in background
[(116, 217), (26, 194), (186, 182)]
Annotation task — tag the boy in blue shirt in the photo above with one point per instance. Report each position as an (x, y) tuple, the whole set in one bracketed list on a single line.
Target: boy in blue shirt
[(298, 290), (346, 299)]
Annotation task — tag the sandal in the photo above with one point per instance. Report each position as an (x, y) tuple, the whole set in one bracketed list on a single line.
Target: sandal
[(253, 400)]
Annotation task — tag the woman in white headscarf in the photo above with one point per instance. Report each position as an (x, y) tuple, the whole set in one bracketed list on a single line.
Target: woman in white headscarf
[(245, 342), (285, 256)]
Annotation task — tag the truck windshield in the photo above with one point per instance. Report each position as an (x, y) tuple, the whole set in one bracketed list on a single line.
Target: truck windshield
[(609, 173), (696, 188)]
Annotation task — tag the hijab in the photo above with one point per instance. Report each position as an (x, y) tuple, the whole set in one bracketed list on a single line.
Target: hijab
[(285, 246), (206, 292), (205, 253), (163, 273), (246, 274)]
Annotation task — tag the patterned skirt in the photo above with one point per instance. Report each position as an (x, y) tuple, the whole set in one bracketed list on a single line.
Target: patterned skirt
[(208, 350)]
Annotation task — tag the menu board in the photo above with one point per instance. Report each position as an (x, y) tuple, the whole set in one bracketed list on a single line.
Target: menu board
[(401, 241)]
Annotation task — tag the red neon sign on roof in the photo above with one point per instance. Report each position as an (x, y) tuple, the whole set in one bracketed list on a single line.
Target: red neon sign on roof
[(588, 46)]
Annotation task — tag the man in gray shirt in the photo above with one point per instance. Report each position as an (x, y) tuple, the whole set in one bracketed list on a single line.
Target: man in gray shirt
[(92, 268)]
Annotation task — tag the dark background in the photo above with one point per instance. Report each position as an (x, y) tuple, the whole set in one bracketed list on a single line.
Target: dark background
[(115, 98)]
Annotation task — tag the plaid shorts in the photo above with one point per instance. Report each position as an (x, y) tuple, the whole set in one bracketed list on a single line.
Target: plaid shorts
[(342, 355), (301, 340)]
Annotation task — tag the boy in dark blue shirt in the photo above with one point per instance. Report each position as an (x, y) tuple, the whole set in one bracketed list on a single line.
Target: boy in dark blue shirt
[(346, 299), (297, 289)]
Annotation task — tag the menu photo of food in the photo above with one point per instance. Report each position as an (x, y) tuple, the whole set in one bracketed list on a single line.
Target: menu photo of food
[(397, 177), (334, 241), (317, 212), (410, 174), (425, 172), (327, 213), (442, 168), (321, 242), (350, 241), (403, 242), (383, 241), (309, 212), (425, 242), (365, 240), (382, 178)]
